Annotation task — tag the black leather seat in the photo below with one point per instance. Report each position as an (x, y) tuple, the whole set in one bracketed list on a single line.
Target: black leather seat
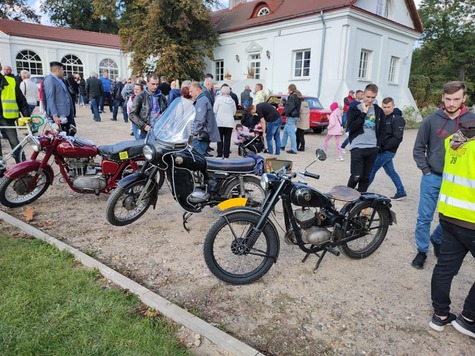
[(241, 165), (122, 151)]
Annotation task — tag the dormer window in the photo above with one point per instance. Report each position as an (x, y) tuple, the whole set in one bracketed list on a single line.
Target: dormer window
[(263, 11)]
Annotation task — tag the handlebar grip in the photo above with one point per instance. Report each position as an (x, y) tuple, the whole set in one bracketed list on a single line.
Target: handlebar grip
[(311, 175), (287, 166)]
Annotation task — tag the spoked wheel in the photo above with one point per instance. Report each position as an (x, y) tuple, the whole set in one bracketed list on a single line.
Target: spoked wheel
[(252, 191), (227, 255), (15, 192), (368, 220), (124, 206)]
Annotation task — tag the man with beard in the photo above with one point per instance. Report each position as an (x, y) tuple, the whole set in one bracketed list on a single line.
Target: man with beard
[(429, 154)]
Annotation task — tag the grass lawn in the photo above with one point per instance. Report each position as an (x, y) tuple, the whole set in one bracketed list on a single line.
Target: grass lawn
[(51, 306)]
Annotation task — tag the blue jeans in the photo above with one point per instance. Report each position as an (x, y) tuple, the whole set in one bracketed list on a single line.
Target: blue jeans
[(289, 131), (123, 105), (456, 243), (200, 146), (273, 132), (385, 160), (95, 108), (138, 135), (31, 107), (429, 195)]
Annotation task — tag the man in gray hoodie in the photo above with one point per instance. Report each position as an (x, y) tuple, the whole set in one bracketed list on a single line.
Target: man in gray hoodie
[(429, 155)]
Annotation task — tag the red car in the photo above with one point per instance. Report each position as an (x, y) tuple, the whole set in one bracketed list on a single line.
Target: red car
[(318, 115)]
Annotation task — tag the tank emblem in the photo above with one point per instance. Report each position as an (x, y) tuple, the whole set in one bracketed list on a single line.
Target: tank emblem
[(308, 197), (179, 160)]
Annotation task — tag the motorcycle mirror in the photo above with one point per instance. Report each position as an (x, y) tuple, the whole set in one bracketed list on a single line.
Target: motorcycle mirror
[(321, 154)]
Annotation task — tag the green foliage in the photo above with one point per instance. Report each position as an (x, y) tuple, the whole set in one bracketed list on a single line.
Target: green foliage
[(415, 116), (448, 48), (18, 10), (51, 307), (168, 37), (79, 15)]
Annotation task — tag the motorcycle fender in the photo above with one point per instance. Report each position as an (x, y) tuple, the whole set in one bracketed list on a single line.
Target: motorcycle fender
[(377, 200), (232, 203), (22, 168), (255, 212), (135, 177)]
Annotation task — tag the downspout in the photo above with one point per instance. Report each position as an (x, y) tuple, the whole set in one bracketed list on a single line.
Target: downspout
[(322, 52)]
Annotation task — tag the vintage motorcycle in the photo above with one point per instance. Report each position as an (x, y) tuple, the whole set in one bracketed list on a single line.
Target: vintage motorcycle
[(26, 181), (195, 181), (243, 244)]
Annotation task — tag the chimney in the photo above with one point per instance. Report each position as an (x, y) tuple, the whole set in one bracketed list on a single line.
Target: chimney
[(233, 3)]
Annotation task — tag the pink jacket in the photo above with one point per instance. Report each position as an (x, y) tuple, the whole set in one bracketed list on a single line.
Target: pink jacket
[(334, 123)]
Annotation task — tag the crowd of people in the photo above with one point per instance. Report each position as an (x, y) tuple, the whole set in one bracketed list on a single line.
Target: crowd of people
[(444, 149)]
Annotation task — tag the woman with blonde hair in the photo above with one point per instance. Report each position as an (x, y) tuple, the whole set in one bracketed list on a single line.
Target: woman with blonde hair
[(174, 92)]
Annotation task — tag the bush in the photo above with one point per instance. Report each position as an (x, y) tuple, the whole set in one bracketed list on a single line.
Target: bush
[(414, 116)]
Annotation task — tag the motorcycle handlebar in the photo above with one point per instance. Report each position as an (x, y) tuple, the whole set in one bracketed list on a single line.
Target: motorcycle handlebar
[(311, 175)]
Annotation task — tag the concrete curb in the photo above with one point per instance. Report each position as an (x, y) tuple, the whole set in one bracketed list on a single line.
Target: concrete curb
[(222, 340)]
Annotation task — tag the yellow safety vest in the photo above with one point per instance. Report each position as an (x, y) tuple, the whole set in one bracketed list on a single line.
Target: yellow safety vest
[(8, 97), (457, 192)]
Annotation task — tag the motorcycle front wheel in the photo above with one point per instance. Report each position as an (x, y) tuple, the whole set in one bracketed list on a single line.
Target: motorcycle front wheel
[(252, 190), (124, 206), (160, 178), (228, 258), (373, 222), (15, 192)]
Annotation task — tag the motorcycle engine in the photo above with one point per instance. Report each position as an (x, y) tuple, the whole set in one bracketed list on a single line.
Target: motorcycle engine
[(84, 174), (311, 233)]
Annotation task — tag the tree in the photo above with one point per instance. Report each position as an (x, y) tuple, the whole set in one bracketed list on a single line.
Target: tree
[(79, 15), (448, 42), (18, 10), (168, 37)]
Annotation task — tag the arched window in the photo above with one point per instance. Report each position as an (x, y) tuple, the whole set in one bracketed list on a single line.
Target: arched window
[(263, 11), (72, 65), (30, 61), (110, 66)]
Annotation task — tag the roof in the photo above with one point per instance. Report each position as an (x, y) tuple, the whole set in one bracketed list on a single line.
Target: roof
[(49, 33), (240, 17)]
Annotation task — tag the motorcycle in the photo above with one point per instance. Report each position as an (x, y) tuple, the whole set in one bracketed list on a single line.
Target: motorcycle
[(26, 181), (195, 181), (243, 244)]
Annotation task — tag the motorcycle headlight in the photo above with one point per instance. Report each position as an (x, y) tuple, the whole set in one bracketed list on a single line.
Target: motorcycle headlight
[(35, 144), (265, 181), (149, 152)]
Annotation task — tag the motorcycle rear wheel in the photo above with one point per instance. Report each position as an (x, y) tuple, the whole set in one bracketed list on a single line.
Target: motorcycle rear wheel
[(122, 206), (252, 188), (14, 192), (375, 221), (224, 249)]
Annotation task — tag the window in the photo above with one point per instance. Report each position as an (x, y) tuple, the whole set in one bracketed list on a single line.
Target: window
[(110, 66), (255, 66), (263, 11), (382, 8), (72, 65), (30, 61), (219, 70), (364, 63), (302, 63), (393, 70)]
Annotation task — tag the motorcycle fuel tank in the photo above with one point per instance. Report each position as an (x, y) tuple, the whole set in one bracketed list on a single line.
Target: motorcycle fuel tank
[(192, 161), (303, 195), (77, 148)]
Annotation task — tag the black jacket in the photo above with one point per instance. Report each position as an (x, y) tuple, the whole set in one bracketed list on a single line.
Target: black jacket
[(392, 131), (356, 120), (292, 106), (94, 88)]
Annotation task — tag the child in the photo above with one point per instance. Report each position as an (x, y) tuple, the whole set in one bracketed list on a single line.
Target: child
[(335, 128), (239, 134)]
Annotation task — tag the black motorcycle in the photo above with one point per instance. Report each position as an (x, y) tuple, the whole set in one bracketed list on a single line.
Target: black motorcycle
[(243, 244), (195, 181)]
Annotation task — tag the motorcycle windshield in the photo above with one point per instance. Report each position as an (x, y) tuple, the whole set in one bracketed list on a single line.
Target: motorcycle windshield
[(174, 126)]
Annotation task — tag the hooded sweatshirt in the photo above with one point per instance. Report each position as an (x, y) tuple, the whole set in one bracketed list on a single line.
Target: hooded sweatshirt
[(429, 150), (392, 131)]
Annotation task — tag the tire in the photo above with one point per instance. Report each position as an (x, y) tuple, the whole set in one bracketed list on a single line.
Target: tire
[(122, 206), (222, 247), (14, 191), (376, 222), (252, 187)]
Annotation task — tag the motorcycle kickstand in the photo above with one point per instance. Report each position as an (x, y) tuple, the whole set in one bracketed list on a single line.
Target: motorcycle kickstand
[(186, 216), (320, 258)]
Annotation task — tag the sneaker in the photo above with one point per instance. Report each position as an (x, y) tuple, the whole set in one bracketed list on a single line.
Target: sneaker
[(292, 152), (436, 247), (343, 151), (399, 196), (340, 159), (419, 260), (464, 326), (282, 148), (438, 324)]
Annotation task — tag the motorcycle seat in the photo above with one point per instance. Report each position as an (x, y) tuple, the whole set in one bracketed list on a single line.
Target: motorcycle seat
[(122, 151), (340, 192), (241, 165)]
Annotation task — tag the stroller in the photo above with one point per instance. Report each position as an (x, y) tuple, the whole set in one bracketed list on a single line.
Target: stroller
[(252, 143)]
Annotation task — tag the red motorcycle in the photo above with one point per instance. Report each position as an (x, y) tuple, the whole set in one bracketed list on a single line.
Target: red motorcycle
[(75, 156)]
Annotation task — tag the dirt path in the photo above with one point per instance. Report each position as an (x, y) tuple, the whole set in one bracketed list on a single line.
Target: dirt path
[(380, 305)]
